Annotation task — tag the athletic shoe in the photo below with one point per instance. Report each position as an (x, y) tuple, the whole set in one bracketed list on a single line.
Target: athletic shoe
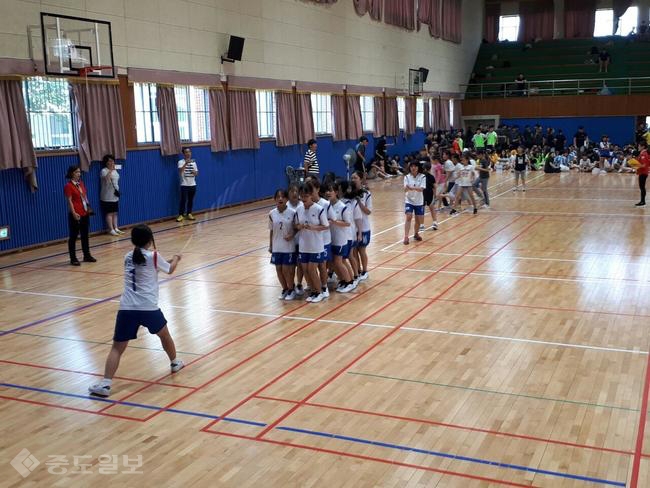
[(417, 237), (406, 241), (354, 284), (100, 390), (317, 298), (475, 210), (515, 189), (283, 294), (309, 298), (523, 189), (291, 295), (453, 211), (113, 232), (299, 291), (179, 218), (190, 217), (421, 226), (325, 293), (363, 276), (120, 231), (177, 365), (345, 288), (485, 205), (640, 204), (89, 259), (434, 226)]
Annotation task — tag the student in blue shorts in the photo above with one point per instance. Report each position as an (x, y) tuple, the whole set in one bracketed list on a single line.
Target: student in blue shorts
[(281, 244), (414, 186), (139, 305)]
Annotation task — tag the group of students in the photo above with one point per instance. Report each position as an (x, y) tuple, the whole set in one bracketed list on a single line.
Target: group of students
[(319, 229)]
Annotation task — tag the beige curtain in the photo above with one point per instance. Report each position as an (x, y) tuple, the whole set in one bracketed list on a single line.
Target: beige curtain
[(170, 135), (218, 121)]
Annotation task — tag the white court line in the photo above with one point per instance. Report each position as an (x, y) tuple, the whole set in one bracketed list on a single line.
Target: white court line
[(525, 277), (463, 211), (384, 326), (590, 214), (571, 199)]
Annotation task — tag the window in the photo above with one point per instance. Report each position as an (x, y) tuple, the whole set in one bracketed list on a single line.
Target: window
[(628, 22), (508, 27), (604, 24), (367, 113), (401, 109), (49, 111), (193, 111), (146, 113), (451, 113), (419, 113), (321, 106), (266, 113)]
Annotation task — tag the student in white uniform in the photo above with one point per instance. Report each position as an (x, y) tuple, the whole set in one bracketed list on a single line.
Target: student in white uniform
[(311, 220), (340, 219), (317, 197), (294, 203), (414, 186), (139, 305), (349, 197), (187, 171), (364, 200), (281, 244)]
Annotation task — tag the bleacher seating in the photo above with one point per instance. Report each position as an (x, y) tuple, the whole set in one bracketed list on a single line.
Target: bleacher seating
[(561, 59)]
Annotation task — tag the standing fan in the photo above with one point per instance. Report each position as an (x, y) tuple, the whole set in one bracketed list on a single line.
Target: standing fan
[(350, 158)]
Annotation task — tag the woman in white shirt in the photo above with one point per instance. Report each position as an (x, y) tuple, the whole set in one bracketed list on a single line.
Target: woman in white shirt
[(414, 185), (187, 171), (464, 181), (110, 193), (139, 305)]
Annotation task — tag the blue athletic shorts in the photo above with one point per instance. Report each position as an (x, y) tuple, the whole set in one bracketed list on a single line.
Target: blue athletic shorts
[(128, 322), (365, 239), (343, 251), (417, 209), (311, 257), (283, 258), (327, 253)]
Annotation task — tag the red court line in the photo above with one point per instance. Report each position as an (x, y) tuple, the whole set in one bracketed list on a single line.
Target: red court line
[(338, 337), (316, 319), (72, 409), (125, 378), (289, 312), (452, 426), (634, 480), (534, 307), (273, 424), (372, 458)]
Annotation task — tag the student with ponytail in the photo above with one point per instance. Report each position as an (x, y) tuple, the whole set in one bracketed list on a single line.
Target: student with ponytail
[(139, 305)]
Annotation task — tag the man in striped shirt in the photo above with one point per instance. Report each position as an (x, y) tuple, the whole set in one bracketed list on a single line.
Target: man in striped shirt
[(311, 162)]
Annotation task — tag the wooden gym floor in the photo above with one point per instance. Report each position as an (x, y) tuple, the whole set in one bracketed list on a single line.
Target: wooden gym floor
[(506, 349)]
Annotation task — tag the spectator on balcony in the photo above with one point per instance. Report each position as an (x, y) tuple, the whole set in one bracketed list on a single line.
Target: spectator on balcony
[(603, 61), (520, 85)]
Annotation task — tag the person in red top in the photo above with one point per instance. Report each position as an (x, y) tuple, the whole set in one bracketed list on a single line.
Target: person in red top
[(642, 170), (78, 215)]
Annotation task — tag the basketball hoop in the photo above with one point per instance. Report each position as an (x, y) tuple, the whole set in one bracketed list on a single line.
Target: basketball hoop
[(84, 71)]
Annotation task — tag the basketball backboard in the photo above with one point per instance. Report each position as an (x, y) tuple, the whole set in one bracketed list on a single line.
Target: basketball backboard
[(77, 46)]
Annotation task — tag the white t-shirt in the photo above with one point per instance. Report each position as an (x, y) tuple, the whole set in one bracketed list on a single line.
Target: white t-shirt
[(141, 281), (281, 224), (311, 241), (188, 178), (355, 211), (466, 176), (339, 211), (327, 237), (108, 186), (295, 208), (450, 169), (418, 181), (366, 199)]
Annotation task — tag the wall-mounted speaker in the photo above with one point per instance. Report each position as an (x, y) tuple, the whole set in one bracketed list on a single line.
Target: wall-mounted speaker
[(235, 50)]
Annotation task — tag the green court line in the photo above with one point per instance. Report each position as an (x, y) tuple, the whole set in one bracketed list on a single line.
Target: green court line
[(481, 390), (88, 341)]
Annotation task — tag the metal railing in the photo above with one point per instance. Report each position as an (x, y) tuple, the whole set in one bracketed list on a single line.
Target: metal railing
[(585, 86)]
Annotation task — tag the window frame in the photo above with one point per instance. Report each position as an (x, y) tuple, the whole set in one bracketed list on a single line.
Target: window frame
[(150, 118), (321, 103), (270, 115), (401, 113), (32, 115), (367, 103), (193, 114), (500, 37), (419, 112)]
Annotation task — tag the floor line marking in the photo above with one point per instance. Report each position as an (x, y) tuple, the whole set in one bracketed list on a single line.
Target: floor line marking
[(636, 462), (390, 332), (493, 392)]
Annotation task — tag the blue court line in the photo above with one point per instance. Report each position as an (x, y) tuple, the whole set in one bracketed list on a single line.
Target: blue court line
[(356, 440), (104, 300), (128, 238)]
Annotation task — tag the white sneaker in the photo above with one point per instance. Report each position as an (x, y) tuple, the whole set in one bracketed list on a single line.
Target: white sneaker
[(100, 390), (363, 276), (317, 298), (326, 293), (282, 295), (120, 231), (514, 189), (177, 365), (485, 205), (421, 226), (290, 296), (113, 232), (354, 284), (299, 291), (434, 226), (348, 288), (309, 299)]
